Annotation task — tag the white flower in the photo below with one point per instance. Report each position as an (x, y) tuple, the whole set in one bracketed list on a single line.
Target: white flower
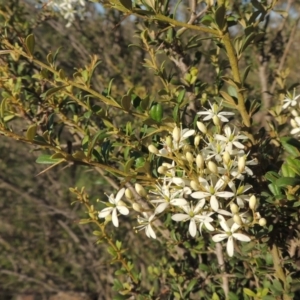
[(238, 193), (115, 206), (235, 172), (145, 223), (231, 139), (290, 101), (229, 233), (212, 192), (68, 8), (215, 111), (215, 149), (178, 141), (192, 214), (205, 220), (169, 196)]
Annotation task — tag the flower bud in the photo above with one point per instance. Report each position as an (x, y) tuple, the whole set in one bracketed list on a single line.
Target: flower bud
[(162, 169), (169, 142), (194, 185), (293, 123), (108, 218), (136, 207), (216, 120), (200, 161), (241, 164), (252, 202), (202, 127), (262, 222), (178, 181), (212, 167), (153, 149), (190, 157), (122, 203), (226, 158), (128, 194), (176, 134), (294, 113), (237, 219), (234, 208), (140, 190), (197, 140)]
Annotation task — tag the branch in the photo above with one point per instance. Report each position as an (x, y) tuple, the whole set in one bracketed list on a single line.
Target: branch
[(221, 262), (236, 77)]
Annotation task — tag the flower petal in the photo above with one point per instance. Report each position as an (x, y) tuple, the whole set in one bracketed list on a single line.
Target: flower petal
[(186, 133), (161, 207), (219, 237), (230, 246), (150, 232), (115, 219), (180, 217), (214, 203), (199, 205), (199, 195), (241, 237), (105, 212), (192, 228), (123, 210), (209, 226), (178, 202), (119, 195)]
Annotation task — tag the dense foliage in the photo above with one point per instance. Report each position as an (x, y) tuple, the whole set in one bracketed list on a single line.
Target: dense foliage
[(176, 128)]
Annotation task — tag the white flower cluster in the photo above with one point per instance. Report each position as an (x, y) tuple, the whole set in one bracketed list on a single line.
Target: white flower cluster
[(200, 183), (68, 8), (292, 102)]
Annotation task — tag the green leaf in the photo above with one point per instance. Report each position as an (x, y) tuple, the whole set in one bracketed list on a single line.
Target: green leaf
[(220, 16), (248, 292), (229, 100), (215, 296), (119, 244), (46, 159), (294, 164), (30, 43), (128, 165), (275, 190), (99, 135), (85, 221), (272, 176), (97, 233), (277, 285), (127, 4), (258, 5), (190, 286), (287, 171), (245, 74), (175, 113), (286, 181), (31, 131), (181, 96), (52, 91), (207, 20), (126, 102), (3, 107), (291, 145), (247, 41), (156, 112)]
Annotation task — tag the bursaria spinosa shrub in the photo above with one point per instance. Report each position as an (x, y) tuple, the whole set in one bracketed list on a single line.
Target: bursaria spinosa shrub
[(202, 165)]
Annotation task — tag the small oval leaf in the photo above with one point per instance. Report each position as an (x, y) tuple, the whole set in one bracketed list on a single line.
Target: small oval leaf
[(30, 43), (31, 132)]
